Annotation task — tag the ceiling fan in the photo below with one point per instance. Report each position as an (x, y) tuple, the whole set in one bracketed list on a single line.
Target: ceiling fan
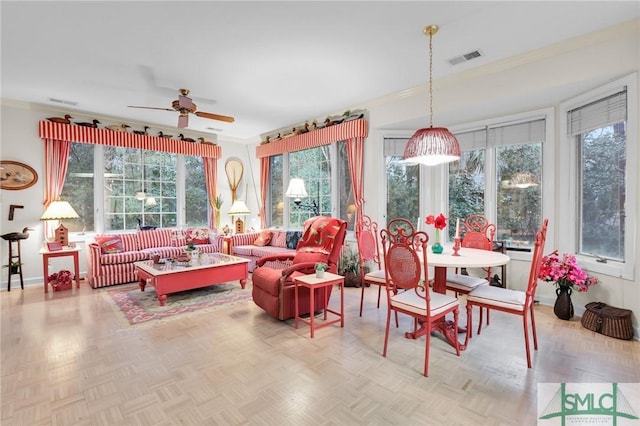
[(184, 106)]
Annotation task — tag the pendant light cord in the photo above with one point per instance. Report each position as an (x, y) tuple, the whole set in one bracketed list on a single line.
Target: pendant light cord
[(430, 79)]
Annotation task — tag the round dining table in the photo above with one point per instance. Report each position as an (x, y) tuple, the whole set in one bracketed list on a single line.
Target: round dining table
[(465, 258)]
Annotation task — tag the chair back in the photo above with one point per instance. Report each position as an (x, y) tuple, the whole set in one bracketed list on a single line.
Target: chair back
[(536, 261), (405, 259), (367, 237), (400, 229), (322, 241), (478, 233)]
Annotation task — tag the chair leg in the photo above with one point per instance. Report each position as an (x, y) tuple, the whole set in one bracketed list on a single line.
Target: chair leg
[(488, 316), (456, 315), (526, 339), (379, 293), (469, 324), (533, 329), (386, 333), (480, 322), (362, 297), (426, 349)]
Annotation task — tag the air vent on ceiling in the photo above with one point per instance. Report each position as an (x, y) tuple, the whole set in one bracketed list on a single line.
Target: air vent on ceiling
[(62, 101), (466, 57), (214, 129)]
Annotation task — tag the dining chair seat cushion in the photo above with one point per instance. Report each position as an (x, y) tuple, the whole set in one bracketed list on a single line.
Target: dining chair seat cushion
[(411, 302), (465, 283), (498, 296), (377, 277)]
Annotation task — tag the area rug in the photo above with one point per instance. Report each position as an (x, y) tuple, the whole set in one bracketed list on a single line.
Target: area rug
[(134, 306)]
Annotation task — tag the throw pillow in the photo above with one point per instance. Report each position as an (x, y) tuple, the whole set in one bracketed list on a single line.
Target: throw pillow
[(198, 236), (292, 239), (110, 244), (279, 239), (263, 239)]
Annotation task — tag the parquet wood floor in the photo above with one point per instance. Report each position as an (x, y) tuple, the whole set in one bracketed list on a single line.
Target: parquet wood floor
[(66, 360)]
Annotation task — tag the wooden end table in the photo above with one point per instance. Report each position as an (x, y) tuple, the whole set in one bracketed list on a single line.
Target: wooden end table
[(313, 283), (66, 251)]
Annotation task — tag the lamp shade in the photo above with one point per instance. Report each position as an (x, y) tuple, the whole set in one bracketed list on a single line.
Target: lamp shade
[(296, 188), (59, 210), (432, 146), (523, 180), (239, 208)]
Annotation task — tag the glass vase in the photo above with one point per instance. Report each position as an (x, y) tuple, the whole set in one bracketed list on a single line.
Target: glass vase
[(436, 247)]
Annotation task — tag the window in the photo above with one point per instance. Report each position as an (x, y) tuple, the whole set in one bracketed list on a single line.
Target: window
[(403, 182), (601, 126), (276, 192), (314, 167), (346, 203), (136, 187), (499, 175)]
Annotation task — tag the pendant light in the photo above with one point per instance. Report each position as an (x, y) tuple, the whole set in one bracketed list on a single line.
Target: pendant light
[(432, 145)]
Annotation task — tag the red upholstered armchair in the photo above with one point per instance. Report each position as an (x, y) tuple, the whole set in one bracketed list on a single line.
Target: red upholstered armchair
[(273, 289)]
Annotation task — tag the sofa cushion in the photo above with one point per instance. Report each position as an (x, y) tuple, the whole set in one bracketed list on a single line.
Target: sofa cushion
[(292, 239), (154, 238), (110, 244), (198, 236), (124, 257), (263, 239), (268, 251), (279, 239), (178, 238), (243, 250)]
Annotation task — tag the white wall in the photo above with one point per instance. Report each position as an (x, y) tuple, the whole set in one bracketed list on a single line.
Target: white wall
[(540, 79)]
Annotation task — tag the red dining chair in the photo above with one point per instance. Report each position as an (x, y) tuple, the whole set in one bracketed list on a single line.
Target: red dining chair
[(512, 301), (369, 251), (405, 258), (478, 234)]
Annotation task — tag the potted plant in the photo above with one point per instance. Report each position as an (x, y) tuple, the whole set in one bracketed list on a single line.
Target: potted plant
[(14, 266), (217, 205), (320, 268), (349, 267)]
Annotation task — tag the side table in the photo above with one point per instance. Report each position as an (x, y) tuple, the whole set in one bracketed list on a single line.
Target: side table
[(66, 251), (313, 283)]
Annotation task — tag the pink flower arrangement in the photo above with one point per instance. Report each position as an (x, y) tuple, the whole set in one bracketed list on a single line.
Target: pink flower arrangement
[(565, 272), (438, 222)]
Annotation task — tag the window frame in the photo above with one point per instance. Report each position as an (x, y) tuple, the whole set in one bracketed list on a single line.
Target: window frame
[(568, 180), (548, 173)]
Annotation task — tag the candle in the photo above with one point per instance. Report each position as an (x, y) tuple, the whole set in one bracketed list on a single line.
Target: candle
[(458, 228)]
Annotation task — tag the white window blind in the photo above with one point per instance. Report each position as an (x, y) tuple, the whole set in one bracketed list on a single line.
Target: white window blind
[(394, 147), (517, 134), (475, 139), (609, 110)]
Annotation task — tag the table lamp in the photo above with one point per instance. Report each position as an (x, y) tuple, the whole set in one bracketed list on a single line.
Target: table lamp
[(239, 208), (60, 210)]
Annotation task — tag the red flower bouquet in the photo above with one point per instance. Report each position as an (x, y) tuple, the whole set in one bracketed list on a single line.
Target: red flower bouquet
[(439, 222)]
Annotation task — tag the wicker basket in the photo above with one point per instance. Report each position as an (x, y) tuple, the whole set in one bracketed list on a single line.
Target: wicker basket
[(608, 320)]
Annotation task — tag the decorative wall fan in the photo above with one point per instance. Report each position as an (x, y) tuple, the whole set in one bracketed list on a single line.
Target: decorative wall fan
[(185, 106)]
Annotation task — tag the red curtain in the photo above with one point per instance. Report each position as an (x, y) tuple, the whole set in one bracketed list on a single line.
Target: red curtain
[(265, 165), (355, 157), (56, 156), (211, 178)]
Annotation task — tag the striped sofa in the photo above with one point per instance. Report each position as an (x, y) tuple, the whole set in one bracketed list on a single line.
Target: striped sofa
[(111, 266), (282, 241)]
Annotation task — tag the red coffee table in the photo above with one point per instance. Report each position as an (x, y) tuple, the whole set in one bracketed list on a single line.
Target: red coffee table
[(210, 269)]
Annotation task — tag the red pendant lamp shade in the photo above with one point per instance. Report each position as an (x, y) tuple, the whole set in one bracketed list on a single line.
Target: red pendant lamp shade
[(432, 145)]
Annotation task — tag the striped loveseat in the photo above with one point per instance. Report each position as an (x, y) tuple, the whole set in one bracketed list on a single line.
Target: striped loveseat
[(110, 257), (279, 241)]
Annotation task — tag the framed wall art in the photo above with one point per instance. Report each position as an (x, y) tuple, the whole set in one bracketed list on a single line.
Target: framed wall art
[(15, 175)]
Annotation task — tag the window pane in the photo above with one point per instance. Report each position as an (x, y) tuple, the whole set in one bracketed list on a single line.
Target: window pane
[(403, 189), (78, 186), (466, 187), (602, 191), (133, 177), (275, 191), (519, 171), (196, 198), (314, 167), (346, 206)]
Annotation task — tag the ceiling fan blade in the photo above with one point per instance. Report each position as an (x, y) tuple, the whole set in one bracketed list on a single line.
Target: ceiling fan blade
[(215, 116), (183, 121), (144, 107)]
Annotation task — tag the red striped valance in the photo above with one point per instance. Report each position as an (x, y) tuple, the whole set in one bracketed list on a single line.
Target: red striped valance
[(340, 132), (82, 134)]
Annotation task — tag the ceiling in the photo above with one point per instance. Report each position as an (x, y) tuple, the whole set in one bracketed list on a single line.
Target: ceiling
[(268, 64)]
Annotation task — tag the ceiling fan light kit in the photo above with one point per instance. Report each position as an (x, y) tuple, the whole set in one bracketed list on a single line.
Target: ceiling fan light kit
[(185, 106)]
